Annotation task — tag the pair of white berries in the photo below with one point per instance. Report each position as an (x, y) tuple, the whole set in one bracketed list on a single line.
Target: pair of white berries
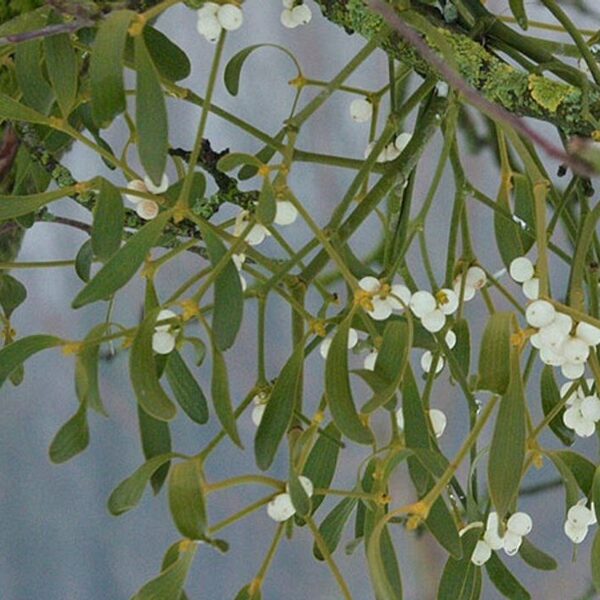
[(164, 336), (427, 356), (433, 310), (517, 527), (281, 508), (583, 411), (144, 207), (436, 417), (474, 279), (213, 18), (392, 151), (295, 14), (579, 519), (286, 213), (554, 340), (522, 271), (384, 298)]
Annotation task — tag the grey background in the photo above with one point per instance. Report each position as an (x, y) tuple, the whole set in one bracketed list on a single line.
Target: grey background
[(57, 540)]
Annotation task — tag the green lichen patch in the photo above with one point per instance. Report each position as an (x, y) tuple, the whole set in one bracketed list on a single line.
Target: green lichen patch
[(547, 93)]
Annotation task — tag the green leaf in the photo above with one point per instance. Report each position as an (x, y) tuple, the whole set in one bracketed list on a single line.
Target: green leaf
[(12, 293), (457, 582), (247, 593), (63, 70), (582, 468), (12, 110), (267, 205), (442, 526), (280, 409), (16, 206), (524, 208), (15, 354), (122, 265), (170, 60), (517, 7), (106, 67), (462, 349), (150, 114), (142, 369), (83, 261), (508, 233), (391, 362), (507, 450), (596, 491), (221, 397), (169, 584), (382, 565), (595, 561), (321, 462), (338, 391), (72, 438), (233, 160), (569, 481), (535, 557), (155, 436), (494, 356), (550, 398), (186, 499), (187, 391), (86, 370), (36, 91), (229, 297), (233, 70), (333, 524), (504, 581), (128, 493), (109, 216)]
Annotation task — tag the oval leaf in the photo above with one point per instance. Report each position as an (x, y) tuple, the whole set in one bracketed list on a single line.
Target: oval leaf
[(338, 391), (169, 584), (72, 438), (233, 70), (129, 492), (109, 215), (106, 67), (186, 499), (221, 397), (63, 70), (507, 450), (229, 297), (494, 356), (150, 114), (15, 354), (123, 265), (279, 411), (187, 391), (333, 524), (142, 369)]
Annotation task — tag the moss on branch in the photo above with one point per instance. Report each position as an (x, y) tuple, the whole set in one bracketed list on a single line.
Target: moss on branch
[(520, 92)]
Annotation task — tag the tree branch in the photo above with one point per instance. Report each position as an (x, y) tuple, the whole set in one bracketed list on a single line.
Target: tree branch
[(520, 93)]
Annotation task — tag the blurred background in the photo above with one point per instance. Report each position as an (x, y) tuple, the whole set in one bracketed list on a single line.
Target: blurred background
[(57, 540)]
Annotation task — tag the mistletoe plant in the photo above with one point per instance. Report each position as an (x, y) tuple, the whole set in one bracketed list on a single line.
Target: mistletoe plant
[(463, 75)]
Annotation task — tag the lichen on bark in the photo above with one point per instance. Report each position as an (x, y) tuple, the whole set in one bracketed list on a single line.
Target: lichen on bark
[(518, 91)]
